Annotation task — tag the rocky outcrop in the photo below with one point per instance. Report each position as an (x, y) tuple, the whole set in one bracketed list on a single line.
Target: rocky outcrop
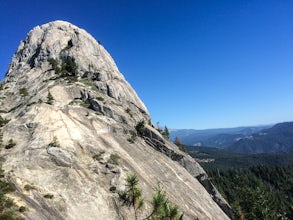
[(73, 120), (155, 140), (75, 53)]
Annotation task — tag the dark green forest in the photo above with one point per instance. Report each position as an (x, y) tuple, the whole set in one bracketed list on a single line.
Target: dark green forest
[(258, 186), (223, 159), (260, 192)]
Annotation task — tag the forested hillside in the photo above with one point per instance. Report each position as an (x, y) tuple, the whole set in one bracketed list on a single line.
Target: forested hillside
[(259, 192), (212, 158), (257, 186), (279, 138)]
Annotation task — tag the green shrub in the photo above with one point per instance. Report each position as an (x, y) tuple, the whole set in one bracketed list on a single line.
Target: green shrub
[(133, 136), (3, 121), (23, 91), (29, 187), (10, 144), (114, 159), (87, 82), (68, 67), (100, 98), (50, 98), (54, 143), (22, 209), (99, 113), (8, 209), (48, 196), (10, 214), (99, 155), (53, 62), (85, 103), (1, 138), (128, 111), (140, 128), (54, 65), (180, 145)]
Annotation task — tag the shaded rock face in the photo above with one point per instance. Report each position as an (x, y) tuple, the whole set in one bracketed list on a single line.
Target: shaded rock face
[(73, 117)]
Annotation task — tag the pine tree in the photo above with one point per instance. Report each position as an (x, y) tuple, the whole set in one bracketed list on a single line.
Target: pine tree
[(179, 144), (162, 208), (166, 133), (132, 195), (50, 98)]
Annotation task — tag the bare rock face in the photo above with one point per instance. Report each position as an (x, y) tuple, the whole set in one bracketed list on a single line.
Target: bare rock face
[(73, 120)]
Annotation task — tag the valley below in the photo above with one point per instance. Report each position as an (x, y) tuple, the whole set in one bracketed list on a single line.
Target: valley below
[(252, 167)]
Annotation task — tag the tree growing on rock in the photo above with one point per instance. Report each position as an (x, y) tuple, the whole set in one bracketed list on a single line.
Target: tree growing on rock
[(132, 195), (166, 133), (162, 209), (50, 98), (8, 208), (179, 144), (140, 128)]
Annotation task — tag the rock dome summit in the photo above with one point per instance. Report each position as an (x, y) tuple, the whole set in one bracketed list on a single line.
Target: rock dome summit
[(79, 129)]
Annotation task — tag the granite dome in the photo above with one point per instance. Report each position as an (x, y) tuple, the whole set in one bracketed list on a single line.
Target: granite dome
[(67, 102)]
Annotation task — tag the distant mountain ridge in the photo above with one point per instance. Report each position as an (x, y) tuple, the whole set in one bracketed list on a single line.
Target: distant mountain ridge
[(278, 138), (216, 158), (218, 137), (247, 140)]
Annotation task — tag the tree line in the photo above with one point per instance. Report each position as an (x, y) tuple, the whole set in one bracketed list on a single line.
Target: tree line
[(260, 192)]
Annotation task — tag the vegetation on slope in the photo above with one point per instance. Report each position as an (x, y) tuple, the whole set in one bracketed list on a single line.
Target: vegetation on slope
[(213, 158), (162, 208), (259, 192), (8, 209), (258, 186)]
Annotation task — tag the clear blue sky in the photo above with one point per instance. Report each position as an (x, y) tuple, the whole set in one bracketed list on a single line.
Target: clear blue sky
[(194, 63)]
